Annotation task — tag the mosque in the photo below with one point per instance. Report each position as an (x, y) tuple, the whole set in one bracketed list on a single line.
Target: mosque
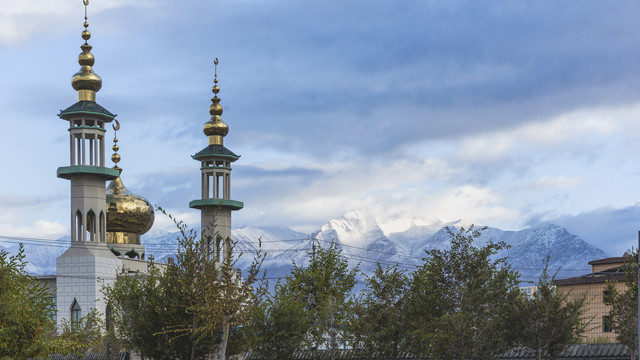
[(107, 221)]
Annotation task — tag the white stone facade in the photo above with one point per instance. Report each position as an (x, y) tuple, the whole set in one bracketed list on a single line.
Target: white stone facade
[(82, 271)]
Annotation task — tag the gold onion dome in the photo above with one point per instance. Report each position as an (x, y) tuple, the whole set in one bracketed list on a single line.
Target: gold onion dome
[(86, 79), (127, 212), (215, 126)]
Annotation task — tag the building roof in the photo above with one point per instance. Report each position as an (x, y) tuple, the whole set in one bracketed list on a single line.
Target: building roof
[(573, 352), (216, 150), (610, 260), (86, 107), (612, 274)]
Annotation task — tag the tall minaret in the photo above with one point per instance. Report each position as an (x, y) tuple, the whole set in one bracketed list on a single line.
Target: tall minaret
[(215, 168), (88, 258)]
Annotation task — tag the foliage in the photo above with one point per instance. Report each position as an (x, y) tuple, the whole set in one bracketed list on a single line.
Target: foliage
[(222, 299), (379, 321), (325, 288), (280, 324), (460, 303), (624, 305), (550, 321), (82, 338), (145, 307), (24, 310)]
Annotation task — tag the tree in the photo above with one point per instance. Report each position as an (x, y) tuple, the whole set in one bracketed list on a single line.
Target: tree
[(624, 305), (379, 321), (461, 301), (146, 308), (550, 321), (80, 338), (24, 310), (325, 287), (218, 297), (280, 324)]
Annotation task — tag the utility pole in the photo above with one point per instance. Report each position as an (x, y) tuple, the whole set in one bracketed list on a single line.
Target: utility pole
[(313, 250)]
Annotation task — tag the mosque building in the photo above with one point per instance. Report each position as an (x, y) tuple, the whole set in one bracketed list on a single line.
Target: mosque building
[(108, 221)]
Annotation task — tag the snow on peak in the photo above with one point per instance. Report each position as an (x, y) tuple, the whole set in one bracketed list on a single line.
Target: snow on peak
[(354, 228)]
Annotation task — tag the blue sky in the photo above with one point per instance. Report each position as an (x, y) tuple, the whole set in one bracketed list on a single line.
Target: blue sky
[(501, 113)]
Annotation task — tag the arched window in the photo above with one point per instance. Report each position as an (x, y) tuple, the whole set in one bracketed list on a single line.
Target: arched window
[(91, 226), (102, 229), (76, 315), (79, 228)]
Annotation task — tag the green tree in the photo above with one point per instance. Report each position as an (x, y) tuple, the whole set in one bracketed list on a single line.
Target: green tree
[(86, 336), (550, 321), (25, 323), (460, 303), (218, 297), (379, 321), (325, 286), (624, 305), (146, 308), (280, 324)]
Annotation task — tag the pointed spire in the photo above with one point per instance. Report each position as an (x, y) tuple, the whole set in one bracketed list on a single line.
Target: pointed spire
[(85, 81), (116, 157), (215, 128)]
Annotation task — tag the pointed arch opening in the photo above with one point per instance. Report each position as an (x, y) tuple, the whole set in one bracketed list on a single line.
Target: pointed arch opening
[(91, 226), (76, 315), (79, 228), (102, 227)]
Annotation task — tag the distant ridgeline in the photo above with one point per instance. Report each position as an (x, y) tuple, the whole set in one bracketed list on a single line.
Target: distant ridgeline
[(362, 242)]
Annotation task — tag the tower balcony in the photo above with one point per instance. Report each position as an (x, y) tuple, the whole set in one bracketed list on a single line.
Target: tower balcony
[(223, 203)]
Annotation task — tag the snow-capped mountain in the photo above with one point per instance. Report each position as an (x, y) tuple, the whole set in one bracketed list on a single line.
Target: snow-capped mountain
[(364, 244)]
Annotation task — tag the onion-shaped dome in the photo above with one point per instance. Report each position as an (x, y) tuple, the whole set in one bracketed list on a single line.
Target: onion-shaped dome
[(86, 79), (215, 128), (127, 212)]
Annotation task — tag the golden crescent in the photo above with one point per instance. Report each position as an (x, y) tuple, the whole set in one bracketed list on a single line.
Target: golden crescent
[(85, 2), (215, 61), (116, 127)]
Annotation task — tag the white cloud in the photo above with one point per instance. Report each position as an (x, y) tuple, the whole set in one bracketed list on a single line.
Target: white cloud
[(21, 20), (560, 182), (39, 229)]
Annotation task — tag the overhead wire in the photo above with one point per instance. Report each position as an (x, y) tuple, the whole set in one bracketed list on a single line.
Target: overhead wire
[(64, 243)]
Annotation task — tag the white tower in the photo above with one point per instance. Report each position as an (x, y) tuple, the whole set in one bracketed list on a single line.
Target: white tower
[(88, 259), (215, 168)]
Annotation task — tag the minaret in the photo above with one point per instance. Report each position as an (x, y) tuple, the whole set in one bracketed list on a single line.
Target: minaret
[(215, 168), (88, 258)]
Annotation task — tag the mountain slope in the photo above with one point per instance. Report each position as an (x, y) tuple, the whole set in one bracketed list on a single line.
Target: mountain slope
[(364, 244)]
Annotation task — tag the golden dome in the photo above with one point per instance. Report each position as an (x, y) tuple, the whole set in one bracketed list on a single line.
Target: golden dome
[(86, 79), (215, 128), (127, 212)]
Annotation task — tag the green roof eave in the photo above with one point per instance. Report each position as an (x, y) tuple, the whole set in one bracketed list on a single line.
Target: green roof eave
[(67, 172), (86, 108), (222, 203), (216, 151)]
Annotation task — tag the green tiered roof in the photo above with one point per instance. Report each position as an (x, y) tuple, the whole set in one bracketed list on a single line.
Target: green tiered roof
[(216, 150), (88, 108)]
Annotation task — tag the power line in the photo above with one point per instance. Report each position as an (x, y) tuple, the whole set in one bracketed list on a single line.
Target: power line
[(64, 243)]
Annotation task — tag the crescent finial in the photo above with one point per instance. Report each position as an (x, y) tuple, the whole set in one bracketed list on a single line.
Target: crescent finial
[(116, 127)]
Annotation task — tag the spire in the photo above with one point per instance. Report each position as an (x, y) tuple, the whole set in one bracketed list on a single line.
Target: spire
[(215, 128), (85, 81), (116, 157)]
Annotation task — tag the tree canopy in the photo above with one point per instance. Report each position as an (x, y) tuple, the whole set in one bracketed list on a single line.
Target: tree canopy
[(461, 300)]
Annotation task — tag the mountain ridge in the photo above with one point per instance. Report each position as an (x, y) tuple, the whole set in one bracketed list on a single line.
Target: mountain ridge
[(364, 244)]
